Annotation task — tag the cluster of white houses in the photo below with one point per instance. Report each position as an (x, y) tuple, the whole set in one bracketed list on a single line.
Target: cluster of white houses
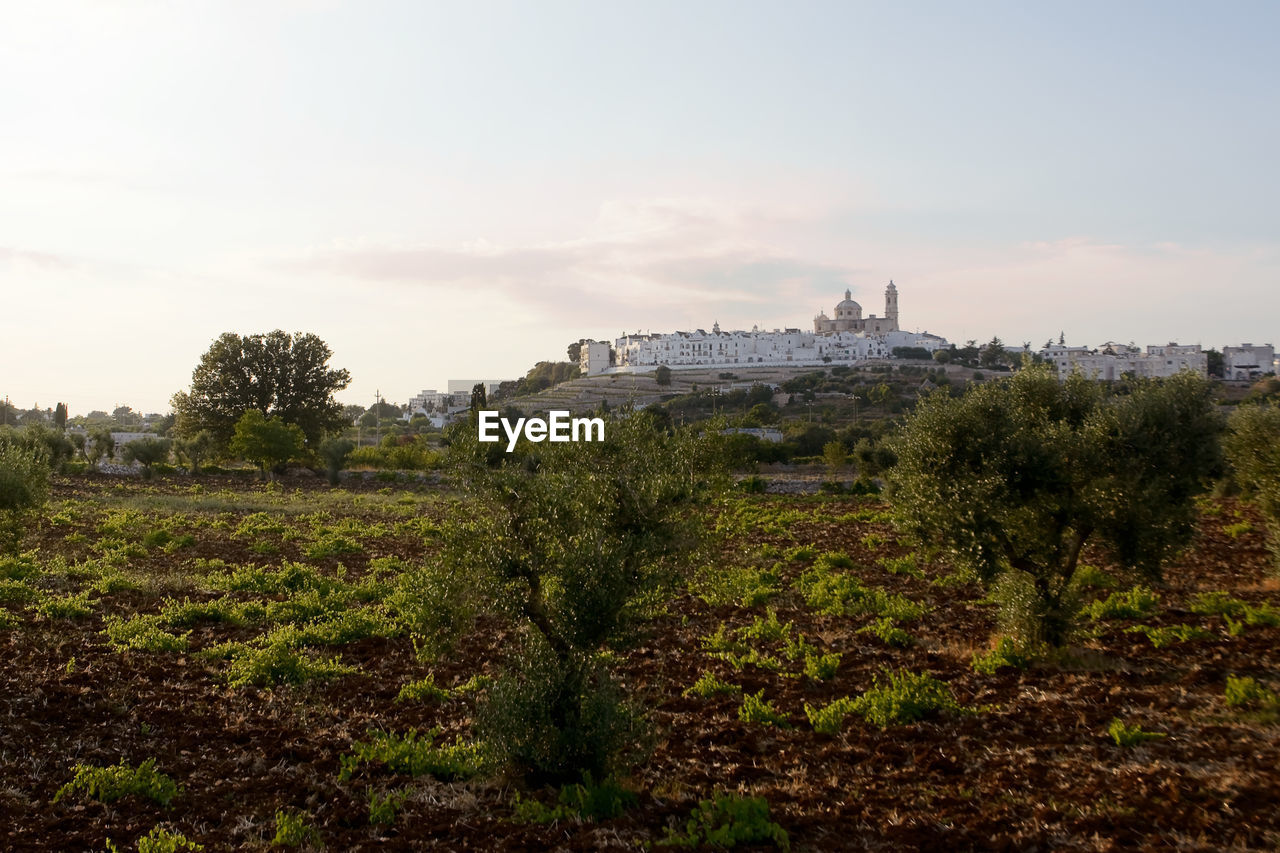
[(848, 338), (1114, 361)]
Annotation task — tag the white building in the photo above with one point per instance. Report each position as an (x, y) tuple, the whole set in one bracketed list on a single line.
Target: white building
[(1248, 361), (847, 339), (594, 357), (1114, 361)]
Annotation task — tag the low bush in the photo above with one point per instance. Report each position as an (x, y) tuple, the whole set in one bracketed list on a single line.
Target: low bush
[(1130, 735), (757, 710), (904, 697), (415, 756), (727, 820), (108, 784)]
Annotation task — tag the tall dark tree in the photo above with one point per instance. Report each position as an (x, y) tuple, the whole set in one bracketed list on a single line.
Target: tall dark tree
[(60, 416), (280, 375), (478, 398)]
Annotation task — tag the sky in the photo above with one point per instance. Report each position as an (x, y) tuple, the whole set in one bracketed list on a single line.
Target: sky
[(459, 190)]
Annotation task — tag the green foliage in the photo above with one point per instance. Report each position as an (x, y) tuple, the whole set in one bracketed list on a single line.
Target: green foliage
[(161, 840), (725, 821), (294, 829), (69, 606), (757, 710), (1130, 735), (108, 784), (587, 801), (278, 662), (414, 756), (1235, 531), (709, 685), (147, 452), (571, 543), (888, 632), (277, 374), (1091, 577), (820, 667), (1236, 612), (836, 593), (422, 690), (1253, 449), (1246, 692), (904, 697), (748, 586), (334, 451), (767, 628), (904, 565), (1017, 475), (1136, 603), (1167, 636), (24, 487), (200, 447), (144, 634), (383, 808), (829, 719), (270, 442), (1006, 653)]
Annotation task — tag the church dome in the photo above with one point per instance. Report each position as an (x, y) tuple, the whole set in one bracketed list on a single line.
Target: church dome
[(848, 309)]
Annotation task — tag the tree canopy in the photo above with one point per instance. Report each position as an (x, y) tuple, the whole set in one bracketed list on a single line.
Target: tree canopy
[(277, 374), (1012, 479)]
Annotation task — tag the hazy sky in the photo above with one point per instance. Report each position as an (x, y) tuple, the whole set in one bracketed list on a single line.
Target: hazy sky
[(452, 190)]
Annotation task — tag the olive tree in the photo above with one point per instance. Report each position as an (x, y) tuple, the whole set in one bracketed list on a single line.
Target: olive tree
[(1015, 477), (24, 486), (568, 543), (268, 441), (1253, 448), (147, 452)]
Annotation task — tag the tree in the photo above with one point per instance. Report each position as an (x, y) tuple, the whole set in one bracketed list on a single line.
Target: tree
[(992, 353), (334, 451), (268, 441), (1216, 363), (1253, 449), (942, 356), (104, 444), (147, 452), (662, 375), (1016, 476), (575, 351), (479, 399), (836, 457), (566, 543), (60, 416), (24, 486), (277, 374), (196, 449)]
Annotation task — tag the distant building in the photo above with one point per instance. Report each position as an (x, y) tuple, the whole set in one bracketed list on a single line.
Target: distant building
[(464, 386), (1114, 361), (1248, 361), (595, 357), (847, 339)]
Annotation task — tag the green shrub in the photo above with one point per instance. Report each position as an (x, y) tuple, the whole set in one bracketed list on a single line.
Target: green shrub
[(1091, 577), (422, 690), (1130, 735), (887, 631), (24, 487), (383, 808), (903, 697), (587, 801), (1136, 603), (757, 710), (293, 829), (278, 663), (726, 820), (905, 565), (820, 667), (1235, 531), (1161, 637), (709, 685), (1006, 653), (144, 634), (767, 628), (829, 720), (1246, 692), (417, 757), (108, 784), (70, 606), (161, 840)]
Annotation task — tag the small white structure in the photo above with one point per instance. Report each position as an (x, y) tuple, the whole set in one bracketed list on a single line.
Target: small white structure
[(1114, 361), (1248, 361), (594, 357)]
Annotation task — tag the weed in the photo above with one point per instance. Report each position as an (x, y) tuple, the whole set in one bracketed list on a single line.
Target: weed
[(108, 784), (333, 545), (1161, 637), (407, 754), (767, 629), (721, 641), (161, 840), (1246, 692), (422, 690), (887, 631), (275, 663), (187, 612), (709, 685), (748, 586), (293, 829), (1130, 735), (820, 667), (905, 565), (383, 808), (726, 820), (829, 720), (70, 606), (1136, 603), (904, 698), (752, 657), (1091, 577), (586, 800), (144, 634), (1235, 531), (1006, 653), (758, 710)]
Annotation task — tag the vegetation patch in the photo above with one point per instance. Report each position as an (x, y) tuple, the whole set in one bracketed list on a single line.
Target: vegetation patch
[(108, 784)]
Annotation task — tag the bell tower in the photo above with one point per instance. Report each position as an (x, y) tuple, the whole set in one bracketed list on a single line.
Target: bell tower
[(891, 305)]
